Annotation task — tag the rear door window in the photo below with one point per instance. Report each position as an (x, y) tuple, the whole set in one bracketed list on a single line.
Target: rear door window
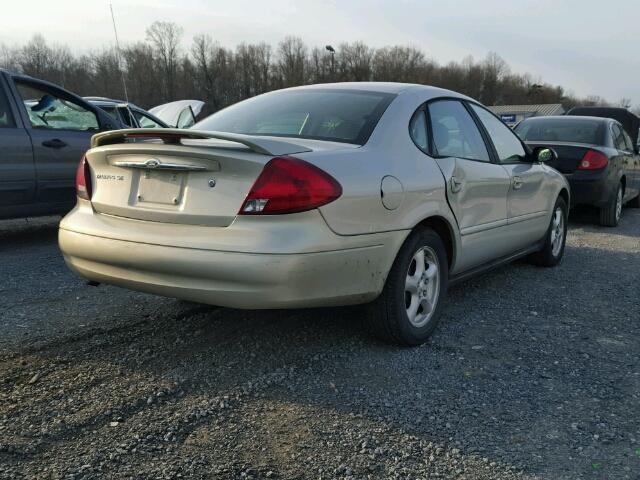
[(455, 133), (48, 111)]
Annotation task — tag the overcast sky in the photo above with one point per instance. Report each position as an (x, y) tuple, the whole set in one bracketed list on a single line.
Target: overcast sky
[(587, 46)]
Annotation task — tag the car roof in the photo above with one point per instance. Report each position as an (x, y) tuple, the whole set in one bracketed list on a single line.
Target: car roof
[(566, 118), (382, 87), (103, 99)]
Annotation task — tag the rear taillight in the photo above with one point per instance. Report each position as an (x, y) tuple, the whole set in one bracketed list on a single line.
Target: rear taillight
[(593, 160), (288, 185), (83, 180)]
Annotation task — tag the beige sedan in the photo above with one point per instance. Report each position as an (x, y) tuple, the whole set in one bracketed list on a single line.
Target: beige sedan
[(356, 193)]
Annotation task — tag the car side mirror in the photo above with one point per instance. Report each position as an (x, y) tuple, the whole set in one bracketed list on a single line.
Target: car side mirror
[(544, 154)]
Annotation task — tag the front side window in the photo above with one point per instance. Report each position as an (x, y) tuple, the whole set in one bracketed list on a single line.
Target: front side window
[(324, 114), (111, 110), (48, 111), (508, 146), (455, 134), (418, 129)]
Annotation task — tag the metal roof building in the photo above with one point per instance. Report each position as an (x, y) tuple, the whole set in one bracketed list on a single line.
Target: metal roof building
[(512, 114)]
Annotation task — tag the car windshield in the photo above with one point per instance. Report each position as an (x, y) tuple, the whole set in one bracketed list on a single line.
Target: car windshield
[(562, 130), (323, 114)]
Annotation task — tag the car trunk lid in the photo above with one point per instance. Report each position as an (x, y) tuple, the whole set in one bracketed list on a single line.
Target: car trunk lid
[(178, 176), (569, 154)]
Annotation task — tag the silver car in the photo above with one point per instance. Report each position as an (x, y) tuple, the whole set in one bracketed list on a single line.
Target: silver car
[(355, 193)]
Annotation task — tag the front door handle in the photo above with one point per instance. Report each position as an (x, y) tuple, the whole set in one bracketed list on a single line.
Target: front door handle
[(517, 183), (54, 143), (456, 185)]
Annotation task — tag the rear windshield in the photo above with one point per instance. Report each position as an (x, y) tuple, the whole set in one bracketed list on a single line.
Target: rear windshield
[(562, 130), (323, 114)]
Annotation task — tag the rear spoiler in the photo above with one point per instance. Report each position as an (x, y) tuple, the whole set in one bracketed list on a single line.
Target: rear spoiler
[(263, 145)]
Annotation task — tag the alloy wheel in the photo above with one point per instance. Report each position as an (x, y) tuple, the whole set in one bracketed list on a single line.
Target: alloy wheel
[(422, 286), (557, 231)]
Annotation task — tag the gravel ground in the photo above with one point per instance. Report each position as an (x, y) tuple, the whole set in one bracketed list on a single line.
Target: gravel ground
[(533, 373)]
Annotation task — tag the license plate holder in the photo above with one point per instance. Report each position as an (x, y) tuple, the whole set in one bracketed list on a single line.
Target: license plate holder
[(158, 187)]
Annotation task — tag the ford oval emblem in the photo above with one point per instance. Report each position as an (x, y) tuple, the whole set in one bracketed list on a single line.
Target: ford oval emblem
[(152, 163)]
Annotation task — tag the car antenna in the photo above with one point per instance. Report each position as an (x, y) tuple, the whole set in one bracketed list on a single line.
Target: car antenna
[(115, 30)]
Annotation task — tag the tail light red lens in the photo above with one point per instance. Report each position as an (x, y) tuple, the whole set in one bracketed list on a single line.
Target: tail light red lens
[(289, 185), (593, 160), (83, 180)]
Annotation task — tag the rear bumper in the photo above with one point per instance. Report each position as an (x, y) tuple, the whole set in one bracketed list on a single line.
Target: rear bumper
[(590, 188), (339, 276)]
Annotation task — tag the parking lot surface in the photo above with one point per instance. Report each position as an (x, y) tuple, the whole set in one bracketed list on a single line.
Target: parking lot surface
[(532, 373)]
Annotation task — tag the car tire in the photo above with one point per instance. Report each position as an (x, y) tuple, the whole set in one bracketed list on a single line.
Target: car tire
[(610, 214), (408, 309), (555, 239)]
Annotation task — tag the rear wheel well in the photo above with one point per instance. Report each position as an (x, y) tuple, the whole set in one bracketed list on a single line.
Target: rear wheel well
[(444, 231), (564, 194), (623, 181)]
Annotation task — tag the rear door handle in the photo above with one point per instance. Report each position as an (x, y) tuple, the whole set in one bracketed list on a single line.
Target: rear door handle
[(54, 143), (517, 183), (456, 185)]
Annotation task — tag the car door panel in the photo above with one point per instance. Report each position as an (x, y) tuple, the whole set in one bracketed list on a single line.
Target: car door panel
[(528, 198), (476, 188), (17, 179), (477, 193), (632, 162), (528, 202), (57, 155), (60, 127)]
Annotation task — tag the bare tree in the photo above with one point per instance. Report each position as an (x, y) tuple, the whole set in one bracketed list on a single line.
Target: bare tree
[(157, 72), (165, 39), (292, 56), (625, 103), (355, 62)]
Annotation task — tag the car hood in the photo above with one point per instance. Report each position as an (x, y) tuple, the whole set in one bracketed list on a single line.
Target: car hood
[(170, 112)]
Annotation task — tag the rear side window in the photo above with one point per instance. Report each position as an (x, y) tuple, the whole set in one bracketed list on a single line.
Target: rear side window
[(324, 114), (618, 138), (455, 133), (574, 130), (508, 145), (6, 118), (418, 129)]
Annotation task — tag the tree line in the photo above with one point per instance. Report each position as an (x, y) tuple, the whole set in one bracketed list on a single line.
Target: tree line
[(160, 69)]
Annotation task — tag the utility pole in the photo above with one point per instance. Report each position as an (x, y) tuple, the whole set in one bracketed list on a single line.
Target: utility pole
[(332, 52)]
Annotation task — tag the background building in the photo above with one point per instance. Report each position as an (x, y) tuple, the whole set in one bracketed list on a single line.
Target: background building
[(512, 114)]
